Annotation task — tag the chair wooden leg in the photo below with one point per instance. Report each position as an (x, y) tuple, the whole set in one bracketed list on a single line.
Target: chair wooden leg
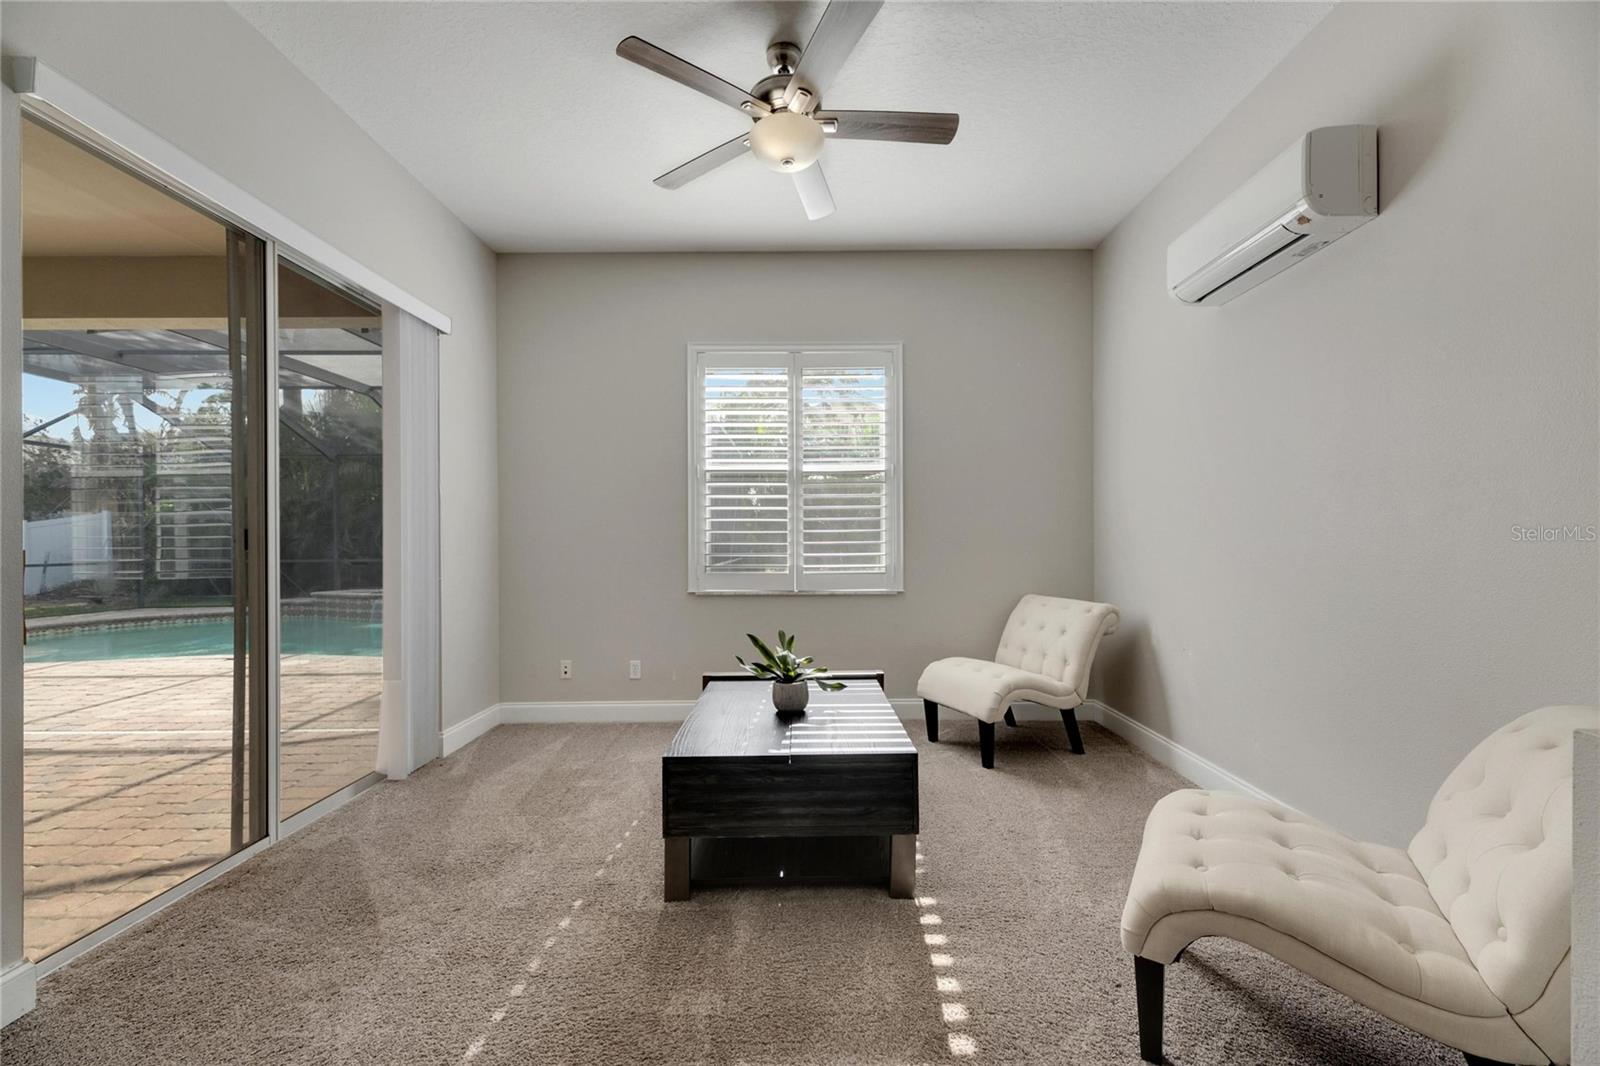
[(930, 710), (1149, 980), (986, 743), (1011, 719), (1069, 718)]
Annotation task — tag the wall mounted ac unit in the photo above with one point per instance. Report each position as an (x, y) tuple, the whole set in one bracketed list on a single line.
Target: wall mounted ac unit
[(1322, 187)]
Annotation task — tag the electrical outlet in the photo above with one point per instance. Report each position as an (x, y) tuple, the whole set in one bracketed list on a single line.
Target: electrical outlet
[(566, 669), (635, 670)]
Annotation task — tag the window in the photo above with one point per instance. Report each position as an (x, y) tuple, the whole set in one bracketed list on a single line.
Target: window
[(794, 480)]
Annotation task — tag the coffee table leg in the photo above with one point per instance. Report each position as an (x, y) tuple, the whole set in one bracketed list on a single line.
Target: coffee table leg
[(902, 865), (676, 883)]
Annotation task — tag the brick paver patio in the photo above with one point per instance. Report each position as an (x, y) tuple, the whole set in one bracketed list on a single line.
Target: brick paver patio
[(127, 765)]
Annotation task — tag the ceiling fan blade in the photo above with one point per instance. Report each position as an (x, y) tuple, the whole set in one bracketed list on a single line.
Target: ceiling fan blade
[(705, 163), (921, 127), (831, 42), (814, 194), (684, 72)]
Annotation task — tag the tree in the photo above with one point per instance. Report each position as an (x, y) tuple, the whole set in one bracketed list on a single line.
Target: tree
[(46, 491)]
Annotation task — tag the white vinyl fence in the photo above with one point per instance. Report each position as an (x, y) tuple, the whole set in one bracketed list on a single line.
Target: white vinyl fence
[(68, 548)]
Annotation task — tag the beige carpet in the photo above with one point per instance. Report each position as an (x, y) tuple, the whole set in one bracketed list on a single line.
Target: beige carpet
[(504, 907)]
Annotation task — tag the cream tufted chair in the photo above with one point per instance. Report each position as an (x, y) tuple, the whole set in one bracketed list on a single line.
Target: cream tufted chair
[(1045, 654), (1464, 936)]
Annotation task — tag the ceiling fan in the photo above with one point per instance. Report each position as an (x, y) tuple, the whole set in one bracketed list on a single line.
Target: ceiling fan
[(790, 127)]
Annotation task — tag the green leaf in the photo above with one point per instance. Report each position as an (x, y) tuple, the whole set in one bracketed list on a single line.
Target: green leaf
[(831, 686), (766, 652), (782, 664)]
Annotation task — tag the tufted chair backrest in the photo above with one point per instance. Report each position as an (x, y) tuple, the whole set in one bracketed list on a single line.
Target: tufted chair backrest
[(1056, 637), (1496, 852)]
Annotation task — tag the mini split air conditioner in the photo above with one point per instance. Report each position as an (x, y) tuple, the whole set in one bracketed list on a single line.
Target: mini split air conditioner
[(1322, 187)]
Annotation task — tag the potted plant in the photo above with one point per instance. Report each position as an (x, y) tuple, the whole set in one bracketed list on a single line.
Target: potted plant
[(788, 672)]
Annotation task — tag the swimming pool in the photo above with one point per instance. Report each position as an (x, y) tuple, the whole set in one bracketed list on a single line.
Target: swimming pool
[(302, 635)]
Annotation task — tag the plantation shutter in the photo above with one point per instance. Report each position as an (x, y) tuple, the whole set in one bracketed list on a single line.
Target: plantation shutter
[(745, 490), (793, 484), (844, 471)]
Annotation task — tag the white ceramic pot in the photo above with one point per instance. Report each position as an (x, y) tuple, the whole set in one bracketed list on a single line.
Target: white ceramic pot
[(790, 698)]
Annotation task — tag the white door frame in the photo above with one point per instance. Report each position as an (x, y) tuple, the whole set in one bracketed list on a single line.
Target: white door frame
[(16, 972), (35, 88)]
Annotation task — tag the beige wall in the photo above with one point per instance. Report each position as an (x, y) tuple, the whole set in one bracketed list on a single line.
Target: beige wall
[(1585, 896), (204, 79), (1305, 499), (594, 454)]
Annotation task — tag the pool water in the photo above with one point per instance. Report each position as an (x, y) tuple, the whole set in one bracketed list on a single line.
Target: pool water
[(210, 636)]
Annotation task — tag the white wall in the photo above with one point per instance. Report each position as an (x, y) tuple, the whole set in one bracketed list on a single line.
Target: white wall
[(203, 78), (594, 449), (1305, 499)]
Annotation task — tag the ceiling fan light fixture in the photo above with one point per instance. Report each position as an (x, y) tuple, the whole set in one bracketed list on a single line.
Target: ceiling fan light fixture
[(786, 142), (790, 127)]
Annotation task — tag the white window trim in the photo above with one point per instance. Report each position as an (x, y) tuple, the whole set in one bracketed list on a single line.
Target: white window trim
[(794, 356)]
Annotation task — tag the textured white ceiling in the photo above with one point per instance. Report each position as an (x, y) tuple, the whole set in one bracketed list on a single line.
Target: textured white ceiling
[(521, 118)]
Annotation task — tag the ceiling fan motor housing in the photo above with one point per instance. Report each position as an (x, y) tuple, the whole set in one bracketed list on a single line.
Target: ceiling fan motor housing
[(783, 57)]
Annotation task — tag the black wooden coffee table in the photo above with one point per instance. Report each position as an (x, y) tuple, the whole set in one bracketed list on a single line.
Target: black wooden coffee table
[(830, 795)]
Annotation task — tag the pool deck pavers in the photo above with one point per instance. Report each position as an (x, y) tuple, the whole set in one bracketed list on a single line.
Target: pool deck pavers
[(127, 767)]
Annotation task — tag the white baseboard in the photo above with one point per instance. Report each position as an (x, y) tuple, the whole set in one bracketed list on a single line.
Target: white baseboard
[(911, 711), (1198, 769), (596, 711), (461, 734), (1170, 753), (18, 991), (601, 711)]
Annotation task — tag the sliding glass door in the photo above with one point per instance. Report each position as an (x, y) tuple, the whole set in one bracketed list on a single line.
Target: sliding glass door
[(144, 428), (203, 454), (330, 477)]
